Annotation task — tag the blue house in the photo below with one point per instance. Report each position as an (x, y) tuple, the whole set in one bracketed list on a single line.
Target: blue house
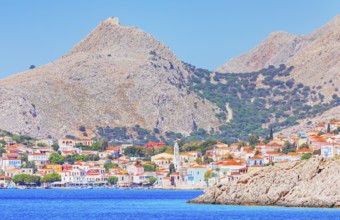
[(196, 175)]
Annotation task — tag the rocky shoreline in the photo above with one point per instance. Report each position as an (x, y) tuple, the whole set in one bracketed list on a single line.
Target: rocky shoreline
[(312, 183)]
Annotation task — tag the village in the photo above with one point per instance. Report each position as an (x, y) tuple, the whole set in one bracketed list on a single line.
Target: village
[(64, 163)]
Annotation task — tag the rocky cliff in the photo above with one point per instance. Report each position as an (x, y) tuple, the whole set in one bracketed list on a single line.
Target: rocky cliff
[(315, 57), (117, 76), (312, 183)]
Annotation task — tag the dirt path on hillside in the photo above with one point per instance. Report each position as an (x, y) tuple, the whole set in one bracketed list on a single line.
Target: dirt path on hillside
[(230, 113)]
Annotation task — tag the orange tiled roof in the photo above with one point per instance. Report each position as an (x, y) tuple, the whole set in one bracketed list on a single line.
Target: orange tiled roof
[(229, 163), (304, 150)]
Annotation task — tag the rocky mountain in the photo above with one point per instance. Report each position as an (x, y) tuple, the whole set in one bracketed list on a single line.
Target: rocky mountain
[(315, 57), (312, 183), (117, 76)]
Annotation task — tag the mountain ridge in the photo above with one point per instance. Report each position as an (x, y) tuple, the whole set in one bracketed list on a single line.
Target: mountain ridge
[(315, 57), (121, 76)]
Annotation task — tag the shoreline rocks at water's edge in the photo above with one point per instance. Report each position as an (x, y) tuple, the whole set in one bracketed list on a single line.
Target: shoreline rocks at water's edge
[(312, 183)]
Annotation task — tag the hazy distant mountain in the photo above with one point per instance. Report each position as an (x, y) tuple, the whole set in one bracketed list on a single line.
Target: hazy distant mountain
[(116, 76), (315, 57)]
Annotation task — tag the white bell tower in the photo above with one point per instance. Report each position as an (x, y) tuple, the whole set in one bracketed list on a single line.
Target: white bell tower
[(177, 161)]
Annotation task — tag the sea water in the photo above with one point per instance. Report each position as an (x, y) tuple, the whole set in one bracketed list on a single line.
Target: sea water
[(136, 204)]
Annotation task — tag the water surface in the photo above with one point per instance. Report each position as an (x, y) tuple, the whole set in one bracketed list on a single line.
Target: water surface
[(136, 204)]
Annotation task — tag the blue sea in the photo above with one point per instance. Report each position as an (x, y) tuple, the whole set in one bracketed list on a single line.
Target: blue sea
[(136, 204)]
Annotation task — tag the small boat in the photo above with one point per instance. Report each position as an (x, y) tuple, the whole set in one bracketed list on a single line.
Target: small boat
[(11, 186)]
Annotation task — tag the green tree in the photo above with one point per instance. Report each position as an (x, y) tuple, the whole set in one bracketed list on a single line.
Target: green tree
[(2, 151), (3, 143), (149, 167), (288, 147), (253, 139), (267, 139), (16, 138), (337, 131), (152, 180), (328, 128), (208, 175), (55, 146), (26, 179), (172, 168), (320, 133), (110, 165), (24, 158), (50, 178), (32, 180), (112, 180), (271, 135), (104, 144), (230, 157), (19, 179), (306, 156), (96, 157), (42, 145), (96, 146), (82, 128), (56, 158), (257, 152), (206, 159)]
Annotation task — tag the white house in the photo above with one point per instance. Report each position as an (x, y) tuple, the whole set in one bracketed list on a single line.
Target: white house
[(39, 159), (77, 175), (9, 160), (5, 163), (66, 143), (143, 177), (135, 169)]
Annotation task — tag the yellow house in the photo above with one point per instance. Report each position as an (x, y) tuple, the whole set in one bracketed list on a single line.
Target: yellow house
[(55, 167), (188, 156), (164, 155), (302, 141)]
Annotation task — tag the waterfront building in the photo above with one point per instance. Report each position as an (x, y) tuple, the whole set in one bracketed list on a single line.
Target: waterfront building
[(196, 175)]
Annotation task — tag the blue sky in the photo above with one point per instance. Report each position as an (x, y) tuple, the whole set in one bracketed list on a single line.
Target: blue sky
[(203, 33)]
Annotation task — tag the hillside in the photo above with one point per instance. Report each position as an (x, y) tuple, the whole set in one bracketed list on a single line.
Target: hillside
[(315, 57), (117, 76), (269, 98), (312, 183)]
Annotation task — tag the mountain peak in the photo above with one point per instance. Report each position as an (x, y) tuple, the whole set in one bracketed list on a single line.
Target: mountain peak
[(110, 38), (112, 21), (274, 50), (116, 76)]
